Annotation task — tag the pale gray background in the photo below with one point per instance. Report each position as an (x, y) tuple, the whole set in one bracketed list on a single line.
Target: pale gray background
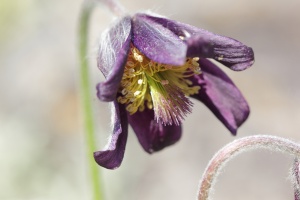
[(41, 141)]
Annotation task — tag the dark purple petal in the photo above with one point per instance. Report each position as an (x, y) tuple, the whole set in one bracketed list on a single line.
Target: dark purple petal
[(202, 43), (227, 51), (112, 157), (221, 96), (153, 136), (157, 42), (113, 53)]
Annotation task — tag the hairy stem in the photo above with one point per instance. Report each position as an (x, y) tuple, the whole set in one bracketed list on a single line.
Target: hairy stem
[(296, 178), (115, 7), (236, 147), (86, 99)]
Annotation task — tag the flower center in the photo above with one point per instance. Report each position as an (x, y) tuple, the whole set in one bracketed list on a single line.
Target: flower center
[(157, 86)]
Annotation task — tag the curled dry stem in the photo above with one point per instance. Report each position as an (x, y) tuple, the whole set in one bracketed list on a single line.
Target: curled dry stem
[(296, 179), (236, 147)]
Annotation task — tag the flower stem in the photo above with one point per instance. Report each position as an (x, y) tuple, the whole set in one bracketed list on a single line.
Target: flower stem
[(86, 99), (296, 179), (114, 6), (234, 148)]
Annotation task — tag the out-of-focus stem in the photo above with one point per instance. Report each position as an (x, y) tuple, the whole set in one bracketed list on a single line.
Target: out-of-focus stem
[(114, 6), (236, 147), (86, 99)]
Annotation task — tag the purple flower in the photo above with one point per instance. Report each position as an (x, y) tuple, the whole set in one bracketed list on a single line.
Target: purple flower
[(152, 64)]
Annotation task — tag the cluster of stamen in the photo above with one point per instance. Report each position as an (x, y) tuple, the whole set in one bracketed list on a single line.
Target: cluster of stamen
[(161, 87)]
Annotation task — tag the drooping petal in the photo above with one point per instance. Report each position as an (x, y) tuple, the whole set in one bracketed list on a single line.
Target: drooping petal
[(225, 50), (158, 43), (153, 136), (112, 156), (113, 53), (221, 96), (202, 43)]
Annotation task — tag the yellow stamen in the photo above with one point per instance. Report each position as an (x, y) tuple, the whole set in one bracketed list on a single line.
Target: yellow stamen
[(162, 87)]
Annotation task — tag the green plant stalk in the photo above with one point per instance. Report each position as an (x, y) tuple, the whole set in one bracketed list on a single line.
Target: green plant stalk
[(86, 99)]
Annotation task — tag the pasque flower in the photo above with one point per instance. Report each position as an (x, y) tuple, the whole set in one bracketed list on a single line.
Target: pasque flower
[(152, 65)]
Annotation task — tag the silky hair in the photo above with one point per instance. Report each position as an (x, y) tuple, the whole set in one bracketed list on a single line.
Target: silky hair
[(110, 44)]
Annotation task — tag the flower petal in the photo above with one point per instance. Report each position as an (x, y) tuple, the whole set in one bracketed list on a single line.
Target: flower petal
[(157, 42), (225, 50), (112, 157), (202, 43), (153, 136), (221, 96), (113, 53)]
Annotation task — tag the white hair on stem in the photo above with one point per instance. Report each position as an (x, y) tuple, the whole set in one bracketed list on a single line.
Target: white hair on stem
[(114, 6), (237, 147), (295, 178)]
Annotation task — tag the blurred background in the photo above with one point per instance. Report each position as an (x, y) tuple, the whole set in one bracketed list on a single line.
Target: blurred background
[(42, 152)]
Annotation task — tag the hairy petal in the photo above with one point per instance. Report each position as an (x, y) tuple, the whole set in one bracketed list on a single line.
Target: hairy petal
[(114, 47), (158, 43), (112, 156), (202, 43), (221, 96), (153, 136)]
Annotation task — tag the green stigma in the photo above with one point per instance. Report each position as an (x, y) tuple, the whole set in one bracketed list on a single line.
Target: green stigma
[(161, 87)]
